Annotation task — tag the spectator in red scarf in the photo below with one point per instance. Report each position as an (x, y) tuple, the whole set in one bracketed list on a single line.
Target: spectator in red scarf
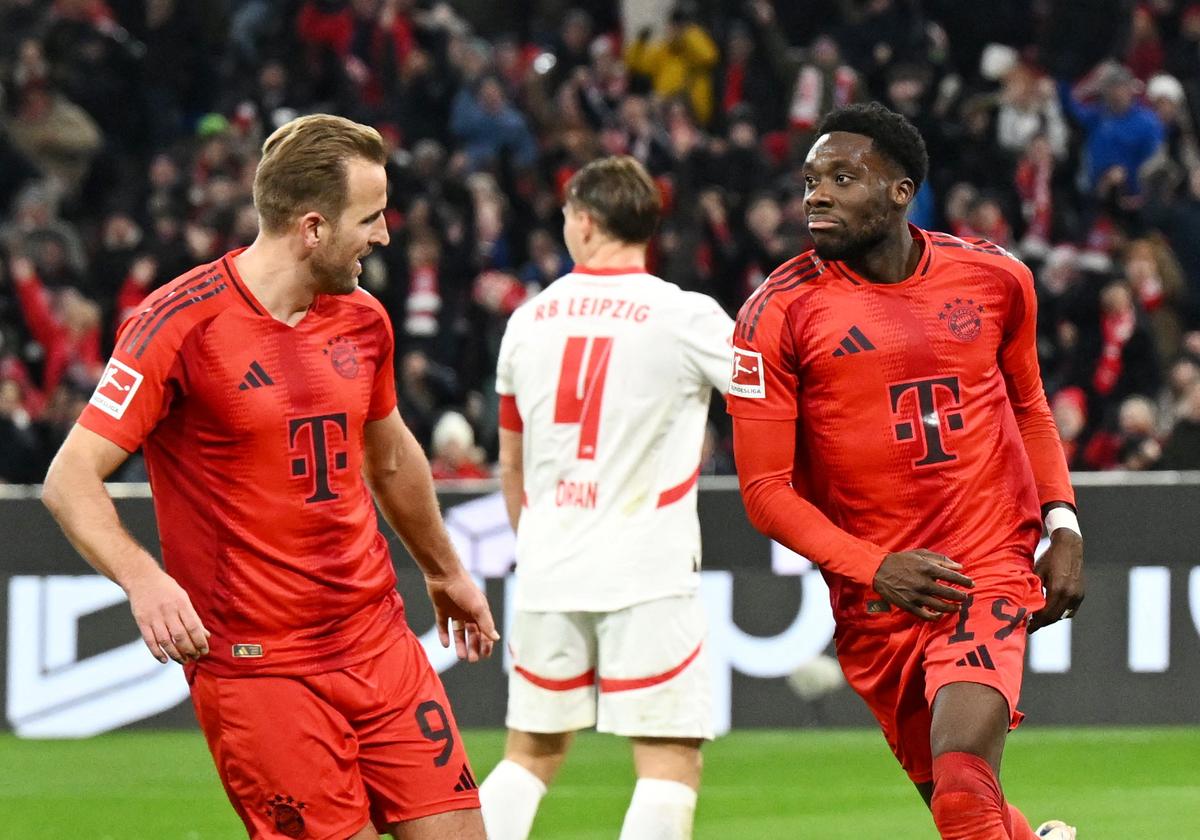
[(1126, 362)]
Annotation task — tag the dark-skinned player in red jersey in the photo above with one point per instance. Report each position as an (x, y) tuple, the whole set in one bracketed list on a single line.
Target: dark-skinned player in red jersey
[(890, 424)]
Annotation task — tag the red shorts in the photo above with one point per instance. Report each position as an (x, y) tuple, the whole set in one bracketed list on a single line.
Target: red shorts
[(318, 756), (900, 673)]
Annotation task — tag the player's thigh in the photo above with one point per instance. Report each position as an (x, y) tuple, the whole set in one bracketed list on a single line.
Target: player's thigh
[(460, 825), (410, 753), (885, 670), (974, 663), (654, 671), (286, 757), (552, 683)]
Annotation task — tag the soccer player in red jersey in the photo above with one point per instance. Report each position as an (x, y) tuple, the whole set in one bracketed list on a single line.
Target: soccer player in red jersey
[(260, 388), (890, 424)]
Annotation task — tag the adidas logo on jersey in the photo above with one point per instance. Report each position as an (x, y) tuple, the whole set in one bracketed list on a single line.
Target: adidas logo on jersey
[(854, 342), (978, 658), (255, 377), (465, 780)]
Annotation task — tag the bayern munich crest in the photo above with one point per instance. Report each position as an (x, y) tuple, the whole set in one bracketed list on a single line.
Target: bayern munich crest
[(343, 355), (963, 317)]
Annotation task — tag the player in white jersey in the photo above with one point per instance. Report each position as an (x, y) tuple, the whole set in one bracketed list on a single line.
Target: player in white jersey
[(604, 381)]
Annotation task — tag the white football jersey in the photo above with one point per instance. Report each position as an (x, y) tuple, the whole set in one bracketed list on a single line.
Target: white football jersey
[(612, 375)]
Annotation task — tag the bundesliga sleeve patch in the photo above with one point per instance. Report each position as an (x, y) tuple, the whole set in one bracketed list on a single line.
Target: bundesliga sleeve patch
[(748, 380), (116, 389)]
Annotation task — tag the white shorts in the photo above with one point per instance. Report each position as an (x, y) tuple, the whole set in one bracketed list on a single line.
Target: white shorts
[(637, 672)]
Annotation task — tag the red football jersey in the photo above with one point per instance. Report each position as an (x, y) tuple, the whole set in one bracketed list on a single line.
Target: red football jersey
[(921, 421), (253, 436)]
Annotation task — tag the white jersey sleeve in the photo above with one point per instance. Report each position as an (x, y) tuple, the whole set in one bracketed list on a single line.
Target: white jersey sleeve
[(612, 375), (706, 338)]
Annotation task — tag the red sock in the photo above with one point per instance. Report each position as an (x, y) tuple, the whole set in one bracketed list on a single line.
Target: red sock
[(967, 803), (1017, 825)]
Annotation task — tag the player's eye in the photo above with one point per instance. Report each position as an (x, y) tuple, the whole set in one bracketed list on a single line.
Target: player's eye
[(843, 178), (809, 180)]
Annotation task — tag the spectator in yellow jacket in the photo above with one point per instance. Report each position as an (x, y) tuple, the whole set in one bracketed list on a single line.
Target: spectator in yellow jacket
[(681, 62)]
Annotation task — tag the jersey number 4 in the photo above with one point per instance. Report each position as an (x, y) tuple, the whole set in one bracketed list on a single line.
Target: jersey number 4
[(581, 388)]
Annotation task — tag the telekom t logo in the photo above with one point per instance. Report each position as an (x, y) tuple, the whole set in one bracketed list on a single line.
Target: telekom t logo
[(316, 449), (922, 410)]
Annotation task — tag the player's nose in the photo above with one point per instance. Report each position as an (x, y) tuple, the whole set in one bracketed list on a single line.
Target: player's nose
[(380, 235)]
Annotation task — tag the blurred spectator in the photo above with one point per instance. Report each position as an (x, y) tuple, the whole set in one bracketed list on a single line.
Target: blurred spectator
[(490, 128), (680, 62), (1181, 376), (823, 83), (1179, 153), (68, 329), (1182, 449), (1157, 281), (1126, 361), (1146, 54), (1138, 447), (455, 455), (1069, 407), (54, 134), (20, 449), (1029, 108), (1120, 133), (424, 389)]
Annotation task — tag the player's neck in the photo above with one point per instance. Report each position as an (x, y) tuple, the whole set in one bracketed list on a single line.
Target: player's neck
[(891, 261), (278, 281), (611, 254)]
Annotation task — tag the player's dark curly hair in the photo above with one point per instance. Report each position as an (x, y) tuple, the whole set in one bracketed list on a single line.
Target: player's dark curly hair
[(893, 135)]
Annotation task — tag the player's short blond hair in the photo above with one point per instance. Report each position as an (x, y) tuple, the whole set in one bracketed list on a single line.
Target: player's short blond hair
[(620, 195), (303, 168)]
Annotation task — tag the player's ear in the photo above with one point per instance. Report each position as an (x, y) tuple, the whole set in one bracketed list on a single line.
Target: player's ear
[(311, 229), (903, 191)]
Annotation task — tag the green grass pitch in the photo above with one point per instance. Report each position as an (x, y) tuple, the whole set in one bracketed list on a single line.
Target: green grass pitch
[(1116, 784)]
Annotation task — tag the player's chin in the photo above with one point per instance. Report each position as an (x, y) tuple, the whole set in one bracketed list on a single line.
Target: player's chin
[(828, 246)]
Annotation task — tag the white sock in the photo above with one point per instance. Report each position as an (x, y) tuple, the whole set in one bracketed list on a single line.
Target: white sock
[(509, 798), (660, 810)]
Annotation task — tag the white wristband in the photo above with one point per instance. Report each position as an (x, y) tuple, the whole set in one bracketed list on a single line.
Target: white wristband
[(1062, 517)]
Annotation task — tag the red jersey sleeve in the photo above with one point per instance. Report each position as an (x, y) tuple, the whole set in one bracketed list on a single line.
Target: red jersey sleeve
[(138, 385), (775, 507), (764, 382), (1022, 376), (383, 389), (765, 387)]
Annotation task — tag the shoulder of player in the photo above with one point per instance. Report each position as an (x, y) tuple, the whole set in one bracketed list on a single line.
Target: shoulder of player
[(170, 312), (981, 253), (360, 298), (793, 280)]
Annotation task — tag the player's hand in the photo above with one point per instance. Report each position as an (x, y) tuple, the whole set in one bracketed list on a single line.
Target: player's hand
[(164, 614), (458, 601), (917, 580), (1061, 571)]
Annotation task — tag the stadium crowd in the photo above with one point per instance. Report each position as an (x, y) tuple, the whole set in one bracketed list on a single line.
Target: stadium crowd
[(1061, 130)]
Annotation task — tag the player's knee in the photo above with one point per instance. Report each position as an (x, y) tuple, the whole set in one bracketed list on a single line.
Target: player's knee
[(674, 759)]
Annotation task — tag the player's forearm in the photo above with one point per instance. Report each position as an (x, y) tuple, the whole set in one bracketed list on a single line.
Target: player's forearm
[(776, 510), (405, 494), (1049, 465), (76, 497)]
